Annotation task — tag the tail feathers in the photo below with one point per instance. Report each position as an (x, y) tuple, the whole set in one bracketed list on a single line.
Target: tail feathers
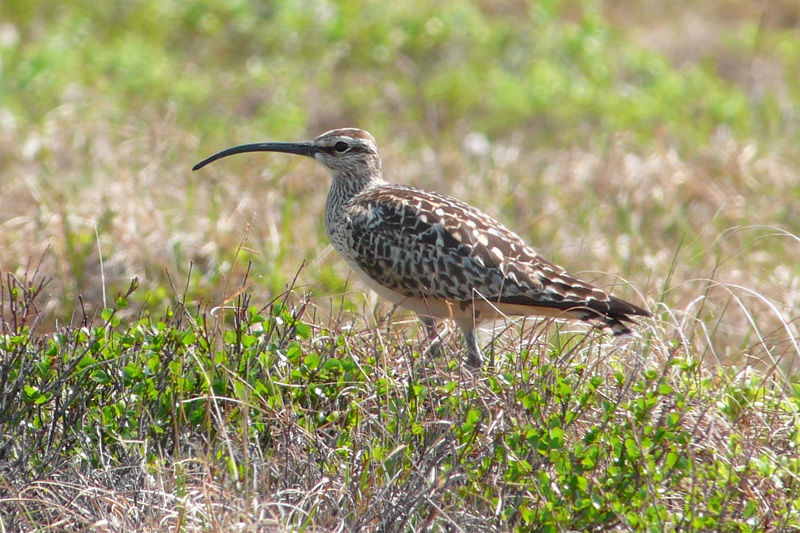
[(613, 322), (610, 312)]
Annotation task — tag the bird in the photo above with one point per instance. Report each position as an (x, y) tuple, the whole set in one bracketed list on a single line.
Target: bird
[(435, 254)]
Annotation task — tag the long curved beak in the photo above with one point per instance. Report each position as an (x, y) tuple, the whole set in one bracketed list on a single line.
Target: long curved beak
[(307, 149)]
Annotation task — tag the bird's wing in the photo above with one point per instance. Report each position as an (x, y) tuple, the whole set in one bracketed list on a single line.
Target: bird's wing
[(424, 244)]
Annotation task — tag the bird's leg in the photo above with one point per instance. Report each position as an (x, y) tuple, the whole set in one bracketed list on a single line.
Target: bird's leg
[(474, 356), (432, 335)]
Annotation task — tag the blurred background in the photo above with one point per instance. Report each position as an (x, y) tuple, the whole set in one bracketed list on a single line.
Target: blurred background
[(631, 141)]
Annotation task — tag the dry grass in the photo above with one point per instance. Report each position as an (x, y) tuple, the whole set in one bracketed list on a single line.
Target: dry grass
[(716, 227)]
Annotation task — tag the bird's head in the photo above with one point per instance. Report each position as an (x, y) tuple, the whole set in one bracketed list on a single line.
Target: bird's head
[(349, 153)]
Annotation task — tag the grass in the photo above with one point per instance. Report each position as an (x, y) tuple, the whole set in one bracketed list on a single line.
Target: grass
[(226, 389), (280, 419)]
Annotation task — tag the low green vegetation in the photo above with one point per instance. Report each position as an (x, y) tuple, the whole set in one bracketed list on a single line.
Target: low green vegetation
[(339, 426), (183, 351)]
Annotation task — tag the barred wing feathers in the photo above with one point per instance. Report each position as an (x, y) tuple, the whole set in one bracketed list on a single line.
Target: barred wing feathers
[(429, 245)]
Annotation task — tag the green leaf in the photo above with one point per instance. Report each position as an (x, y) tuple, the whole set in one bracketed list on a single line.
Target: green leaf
[(86, 360), (632, 448), (188, 338), (312, 360), (332, 364), (671, 459), (556, 438), (293, 352), (248, 340), (303, 330), (665, 389)]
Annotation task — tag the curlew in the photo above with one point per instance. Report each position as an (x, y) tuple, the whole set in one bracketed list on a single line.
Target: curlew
[(437, 255)]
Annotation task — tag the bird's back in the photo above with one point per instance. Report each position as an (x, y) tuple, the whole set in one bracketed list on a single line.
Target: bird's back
[(432, 248)]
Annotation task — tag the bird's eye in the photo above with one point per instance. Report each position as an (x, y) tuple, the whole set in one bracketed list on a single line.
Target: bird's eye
[(341, 146)]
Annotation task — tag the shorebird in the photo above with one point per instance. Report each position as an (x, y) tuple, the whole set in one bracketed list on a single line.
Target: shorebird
[(437, 255)]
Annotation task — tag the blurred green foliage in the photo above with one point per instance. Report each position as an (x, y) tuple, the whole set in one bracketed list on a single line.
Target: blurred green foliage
[(557, 69)]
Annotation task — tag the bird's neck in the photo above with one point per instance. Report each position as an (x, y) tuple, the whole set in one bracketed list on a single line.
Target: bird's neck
[(344, 187)]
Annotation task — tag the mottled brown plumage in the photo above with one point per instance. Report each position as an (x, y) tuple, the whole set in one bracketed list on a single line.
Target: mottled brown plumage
[(437, 255)]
